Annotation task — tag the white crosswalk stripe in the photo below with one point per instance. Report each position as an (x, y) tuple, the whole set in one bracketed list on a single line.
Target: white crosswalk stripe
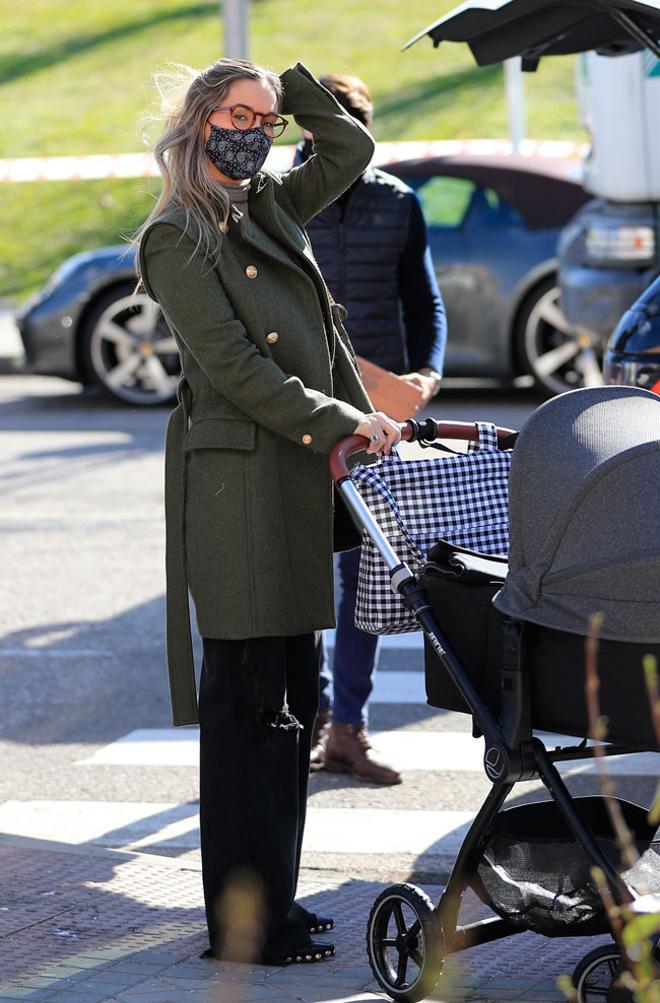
[(147, 825), (164, 826), (343, 830), (447, 751), (175, 827)]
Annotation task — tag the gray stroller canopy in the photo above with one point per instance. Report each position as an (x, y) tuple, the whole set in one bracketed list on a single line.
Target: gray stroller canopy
[(584, 515)]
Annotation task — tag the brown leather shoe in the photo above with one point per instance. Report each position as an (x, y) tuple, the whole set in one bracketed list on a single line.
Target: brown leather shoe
[(348, 750), (319, 736)]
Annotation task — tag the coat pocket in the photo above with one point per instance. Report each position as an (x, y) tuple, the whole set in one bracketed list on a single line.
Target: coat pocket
[(222, 433)]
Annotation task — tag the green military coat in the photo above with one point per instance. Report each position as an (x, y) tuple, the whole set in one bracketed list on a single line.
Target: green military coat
[(269, 386)]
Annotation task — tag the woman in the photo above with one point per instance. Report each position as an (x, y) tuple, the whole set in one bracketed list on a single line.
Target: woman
[(269, 385)]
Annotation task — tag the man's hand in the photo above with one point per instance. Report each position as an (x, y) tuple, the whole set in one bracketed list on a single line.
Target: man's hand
[(427, 384)]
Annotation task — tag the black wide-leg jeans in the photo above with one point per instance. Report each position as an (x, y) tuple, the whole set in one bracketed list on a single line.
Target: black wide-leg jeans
[(258, 700)]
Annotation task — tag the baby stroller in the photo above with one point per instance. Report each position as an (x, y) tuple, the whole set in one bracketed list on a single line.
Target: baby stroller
[(506, 644)]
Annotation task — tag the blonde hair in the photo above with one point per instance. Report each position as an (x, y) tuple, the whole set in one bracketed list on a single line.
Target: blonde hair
[(187, 99)]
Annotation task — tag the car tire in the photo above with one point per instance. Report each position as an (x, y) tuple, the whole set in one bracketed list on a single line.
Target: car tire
[(557, 355), (127, 348)]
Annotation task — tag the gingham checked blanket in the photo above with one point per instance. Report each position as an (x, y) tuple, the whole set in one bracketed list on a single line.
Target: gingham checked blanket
[(462, 499)]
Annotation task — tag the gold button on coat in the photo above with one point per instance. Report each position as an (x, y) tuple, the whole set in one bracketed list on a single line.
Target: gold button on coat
[(251, 271), (307, 439), (272, 337)]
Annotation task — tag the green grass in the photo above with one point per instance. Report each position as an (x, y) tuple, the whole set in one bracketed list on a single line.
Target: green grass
[(78, 215), (75, 79)]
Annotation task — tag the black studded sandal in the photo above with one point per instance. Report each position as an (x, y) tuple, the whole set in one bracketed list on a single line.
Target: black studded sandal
[(307, 955), (312, 923), (320, 924)]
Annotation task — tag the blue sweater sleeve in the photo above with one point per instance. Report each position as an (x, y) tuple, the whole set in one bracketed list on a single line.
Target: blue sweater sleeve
[(424, 317)]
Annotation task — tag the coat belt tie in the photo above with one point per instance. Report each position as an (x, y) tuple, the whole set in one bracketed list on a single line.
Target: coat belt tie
[(180, 657)]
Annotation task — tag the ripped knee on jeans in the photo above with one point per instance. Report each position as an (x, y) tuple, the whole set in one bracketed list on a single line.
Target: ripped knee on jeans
[(280, 718)]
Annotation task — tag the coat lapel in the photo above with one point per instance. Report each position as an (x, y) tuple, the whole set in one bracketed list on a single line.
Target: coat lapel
[(277, 224)]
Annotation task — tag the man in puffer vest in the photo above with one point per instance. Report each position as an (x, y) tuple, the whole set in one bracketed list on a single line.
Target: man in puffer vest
[(371, 246)]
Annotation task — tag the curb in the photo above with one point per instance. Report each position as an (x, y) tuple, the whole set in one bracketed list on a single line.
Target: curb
[(143, 164)]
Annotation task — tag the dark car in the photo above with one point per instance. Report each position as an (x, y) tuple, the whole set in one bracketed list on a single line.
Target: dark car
[(493, 228), (633, 353), (88, 324)]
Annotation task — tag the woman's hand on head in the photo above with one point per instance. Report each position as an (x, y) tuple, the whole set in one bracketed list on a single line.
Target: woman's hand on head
[(381, 431)]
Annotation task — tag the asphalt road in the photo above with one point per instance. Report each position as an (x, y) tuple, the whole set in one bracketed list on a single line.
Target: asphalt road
[(82, 658)]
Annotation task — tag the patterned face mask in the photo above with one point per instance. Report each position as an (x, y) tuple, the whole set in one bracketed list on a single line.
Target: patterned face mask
[(238, 153)]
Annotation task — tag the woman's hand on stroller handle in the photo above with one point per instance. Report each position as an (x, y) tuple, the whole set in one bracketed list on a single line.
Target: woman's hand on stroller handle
[(380, 431)]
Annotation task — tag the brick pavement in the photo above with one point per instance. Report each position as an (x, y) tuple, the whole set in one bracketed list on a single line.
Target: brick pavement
[(87, 925)]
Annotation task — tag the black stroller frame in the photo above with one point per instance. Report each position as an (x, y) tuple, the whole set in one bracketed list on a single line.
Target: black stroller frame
[(512, 754)]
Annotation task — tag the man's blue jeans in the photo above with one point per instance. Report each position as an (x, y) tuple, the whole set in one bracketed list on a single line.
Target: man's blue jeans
[(355, 653)]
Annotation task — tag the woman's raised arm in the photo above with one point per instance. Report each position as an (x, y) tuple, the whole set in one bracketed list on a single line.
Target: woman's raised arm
[(342, 146)]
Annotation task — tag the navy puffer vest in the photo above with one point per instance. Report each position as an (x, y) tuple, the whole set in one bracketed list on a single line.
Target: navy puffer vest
[(358, 242)]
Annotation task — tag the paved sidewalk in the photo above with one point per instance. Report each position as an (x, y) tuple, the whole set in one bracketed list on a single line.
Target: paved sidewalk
[(86, 925)]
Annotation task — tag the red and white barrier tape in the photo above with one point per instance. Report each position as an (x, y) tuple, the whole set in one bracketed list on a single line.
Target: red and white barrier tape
[(143, 165)]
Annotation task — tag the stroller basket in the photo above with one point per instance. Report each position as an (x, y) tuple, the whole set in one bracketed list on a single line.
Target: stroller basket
[(533, 873), (462, 498)]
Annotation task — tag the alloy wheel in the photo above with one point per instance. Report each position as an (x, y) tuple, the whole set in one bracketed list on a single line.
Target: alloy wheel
[(132, 351), (559, 355)]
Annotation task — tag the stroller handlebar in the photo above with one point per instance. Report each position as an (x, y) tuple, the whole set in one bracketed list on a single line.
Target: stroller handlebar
[(411, 431)]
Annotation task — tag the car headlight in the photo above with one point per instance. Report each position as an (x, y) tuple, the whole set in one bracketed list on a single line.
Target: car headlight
[(611, 244), (632, 372)]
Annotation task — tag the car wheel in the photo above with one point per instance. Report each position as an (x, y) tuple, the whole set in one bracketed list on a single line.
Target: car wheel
[(559, 356), (127, 348)]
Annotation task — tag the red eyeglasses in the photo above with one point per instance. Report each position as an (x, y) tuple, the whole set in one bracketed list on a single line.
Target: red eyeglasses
[(243, 117)]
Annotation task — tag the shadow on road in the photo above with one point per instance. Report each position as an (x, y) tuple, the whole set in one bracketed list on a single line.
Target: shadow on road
[(72, 681)]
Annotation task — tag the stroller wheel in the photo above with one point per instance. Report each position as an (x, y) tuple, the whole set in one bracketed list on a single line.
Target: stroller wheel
[(594, 973), (404, 943)]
